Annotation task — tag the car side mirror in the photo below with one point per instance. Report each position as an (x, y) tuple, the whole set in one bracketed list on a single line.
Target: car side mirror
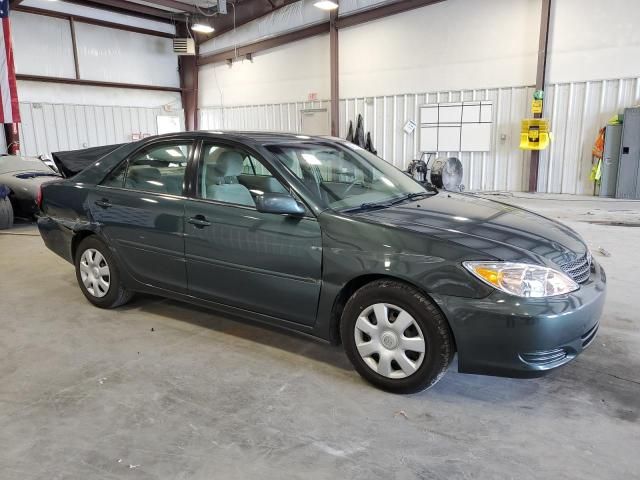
[(279, 203)]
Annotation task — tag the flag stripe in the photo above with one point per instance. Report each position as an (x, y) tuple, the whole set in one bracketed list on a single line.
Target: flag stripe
[(13, 88), (9, 106), (3, 73)]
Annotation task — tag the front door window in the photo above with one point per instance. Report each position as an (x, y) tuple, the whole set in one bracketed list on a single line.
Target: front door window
[(230, 175)]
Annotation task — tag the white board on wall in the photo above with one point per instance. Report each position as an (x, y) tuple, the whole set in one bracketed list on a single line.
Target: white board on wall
[(456, 127)]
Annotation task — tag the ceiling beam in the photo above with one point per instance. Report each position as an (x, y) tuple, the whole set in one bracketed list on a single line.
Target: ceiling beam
[(128, 8), (383, 11), (176, 5), (94, 83), (92, 21), (264, 44)]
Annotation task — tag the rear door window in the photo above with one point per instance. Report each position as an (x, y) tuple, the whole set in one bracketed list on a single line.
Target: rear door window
[(158, 169)]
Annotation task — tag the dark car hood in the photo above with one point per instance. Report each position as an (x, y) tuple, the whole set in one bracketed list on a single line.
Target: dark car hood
[(492, 228)]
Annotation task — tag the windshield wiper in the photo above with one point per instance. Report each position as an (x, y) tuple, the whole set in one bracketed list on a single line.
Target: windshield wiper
[(389, 203), (368, 206), (411, 196)]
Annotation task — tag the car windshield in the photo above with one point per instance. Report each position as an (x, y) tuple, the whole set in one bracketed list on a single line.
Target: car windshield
[(347, 177)]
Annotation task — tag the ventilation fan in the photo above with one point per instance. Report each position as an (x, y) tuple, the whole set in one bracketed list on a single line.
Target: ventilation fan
[(184, 46)]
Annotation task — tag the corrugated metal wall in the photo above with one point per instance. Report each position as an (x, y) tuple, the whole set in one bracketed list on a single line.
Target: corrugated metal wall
[(48, 127), (576, 111), (501, 169), (278, 117)]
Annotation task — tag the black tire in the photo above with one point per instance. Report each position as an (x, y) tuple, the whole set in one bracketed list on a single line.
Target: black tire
[(439, 343), (116, 295), (6, 214)]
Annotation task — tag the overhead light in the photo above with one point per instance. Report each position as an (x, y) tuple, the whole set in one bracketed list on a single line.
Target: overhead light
[(202, 28), (326, 5)]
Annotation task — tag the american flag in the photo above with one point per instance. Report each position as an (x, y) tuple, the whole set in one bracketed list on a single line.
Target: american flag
[(9, 109)]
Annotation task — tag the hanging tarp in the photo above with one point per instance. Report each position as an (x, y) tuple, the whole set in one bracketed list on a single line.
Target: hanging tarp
[(369, 145), (72, 162), (359, 137), (350, 133)]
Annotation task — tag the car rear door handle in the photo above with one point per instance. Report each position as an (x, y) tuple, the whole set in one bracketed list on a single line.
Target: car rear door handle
[(104, 203), (199, 221)]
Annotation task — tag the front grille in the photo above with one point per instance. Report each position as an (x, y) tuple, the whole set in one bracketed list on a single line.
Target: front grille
[(588, 337), (579, 269), (544, 358)]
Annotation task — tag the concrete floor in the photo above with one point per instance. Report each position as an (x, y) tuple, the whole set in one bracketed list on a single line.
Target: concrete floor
[(159, 389)]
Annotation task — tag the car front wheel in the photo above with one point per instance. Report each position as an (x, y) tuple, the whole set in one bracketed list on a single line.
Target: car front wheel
[(395, 337), (98, 275)]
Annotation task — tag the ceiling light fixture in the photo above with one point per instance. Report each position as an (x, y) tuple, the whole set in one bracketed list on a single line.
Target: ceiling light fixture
[(326, 5), (202, 27)]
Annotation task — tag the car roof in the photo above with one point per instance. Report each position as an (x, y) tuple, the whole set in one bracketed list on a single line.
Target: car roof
[(261, 137), (275, 137)]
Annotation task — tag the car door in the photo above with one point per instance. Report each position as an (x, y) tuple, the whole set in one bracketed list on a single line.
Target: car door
[(237, 256), (140, 206)]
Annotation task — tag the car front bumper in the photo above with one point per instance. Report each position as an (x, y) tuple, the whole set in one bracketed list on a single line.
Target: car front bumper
[(511, 336)]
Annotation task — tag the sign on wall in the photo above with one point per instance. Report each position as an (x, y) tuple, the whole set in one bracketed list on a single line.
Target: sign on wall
[(456, 127)]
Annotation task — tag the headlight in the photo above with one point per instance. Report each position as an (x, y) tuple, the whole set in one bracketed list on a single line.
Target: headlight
[(521, 279)]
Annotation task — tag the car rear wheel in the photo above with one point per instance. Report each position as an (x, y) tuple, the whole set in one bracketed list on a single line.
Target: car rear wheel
[(98, 274), (395, 337), (6, 213)]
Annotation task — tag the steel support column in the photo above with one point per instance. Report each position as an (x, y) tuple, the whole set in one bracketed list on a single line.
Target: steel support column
[(12, 136), (540, 82), (188, 66), (334, 73)]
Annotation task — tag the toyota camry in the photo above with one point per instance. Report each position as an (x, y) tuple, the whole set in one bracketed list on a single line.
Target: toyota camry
[(316, 235)]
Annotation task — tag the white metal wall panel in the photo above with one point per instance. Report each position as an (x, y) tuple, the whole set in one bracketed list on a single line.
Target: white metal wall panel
[(42, 45), (576, 112), (98, 13), (41, 92), (48, 127), (112, 55)]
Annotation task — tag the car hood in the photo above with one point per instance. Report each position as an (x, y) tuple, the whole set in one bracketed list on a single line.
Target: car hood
[(13, 164), (494, 229), (26, 181)]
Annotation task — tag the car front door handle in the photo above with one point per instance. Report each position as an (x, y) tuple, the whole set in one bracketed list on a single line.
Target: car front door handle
[(104, 203), (199, 221)]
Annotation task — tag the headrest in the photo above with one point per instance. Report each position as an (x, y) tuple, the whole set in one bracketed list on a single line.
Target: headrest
[(229, 164), (145, 173)]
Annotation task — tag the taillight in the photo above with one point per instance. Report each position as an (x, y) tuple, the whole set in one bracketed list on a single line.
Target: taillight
[(39, 197)]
